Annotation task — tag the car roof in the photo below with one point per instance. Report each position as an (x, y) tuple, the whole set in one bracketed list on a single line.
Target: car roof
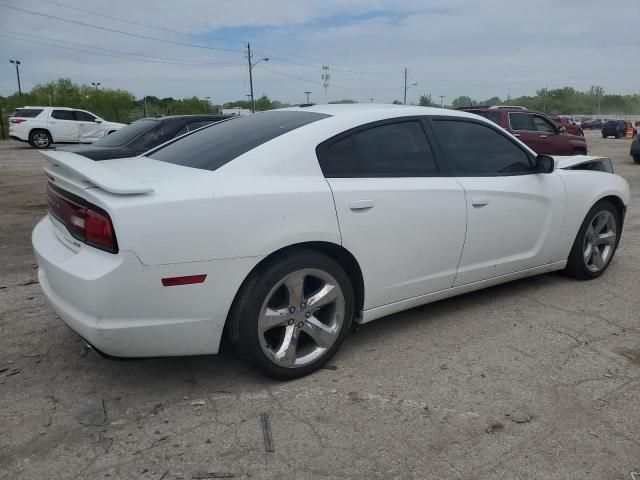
[(57, 108), (377, 110), (188, 117)]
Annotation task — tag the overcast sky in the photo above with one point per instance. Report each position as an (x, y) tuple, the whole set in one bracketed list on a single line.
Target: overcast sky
[(479, 48)]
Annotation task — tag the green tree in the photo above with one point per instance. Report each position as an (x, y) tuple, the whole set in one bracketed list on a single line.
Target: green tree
[(463, 101), (397, 102), (263, 103), (425, 101)]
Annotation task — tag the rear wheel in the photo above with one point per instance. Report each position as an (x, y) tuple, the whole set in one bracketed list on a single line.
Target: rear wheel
[(40, 139), (292, 314), (578, 151), (595, 243), (636, 158)]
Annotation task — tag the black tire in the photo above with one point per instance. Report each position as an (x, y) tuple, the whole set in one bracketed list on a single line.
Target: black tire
[(40, 139), (636, 158), (604, 136), (243, 327), (618, 136), (578, 151), (576, 263)]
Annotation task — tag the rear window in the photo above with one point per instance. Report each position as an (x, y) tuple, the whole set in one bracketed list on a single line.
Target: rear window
[(218, 144), (126, 134), (27, 112)]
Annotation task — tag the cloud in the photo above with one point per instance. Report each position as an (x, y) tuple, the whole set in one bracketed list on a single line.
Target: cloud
[(461, 47)]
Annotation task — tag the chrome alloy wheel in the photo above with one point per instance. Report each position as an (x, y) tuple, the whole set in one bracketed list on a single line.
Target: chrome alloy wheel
[(301, 318), (40, 139), (599, 241)]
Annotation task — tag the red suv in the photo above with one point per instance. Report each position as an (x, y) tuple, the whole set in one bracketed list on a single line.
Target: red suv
[(570, 126), (536, 130)]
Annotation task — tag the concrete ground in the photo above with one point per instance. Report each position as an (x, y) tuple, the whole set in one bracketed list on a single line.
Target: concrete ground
[(435, 392)]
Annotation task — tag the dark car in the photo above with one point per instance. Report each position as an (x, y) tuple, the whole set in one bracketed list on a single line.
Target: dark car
[(535, 130), (593, 124), (142, 135), (635, 148), (614, 128)]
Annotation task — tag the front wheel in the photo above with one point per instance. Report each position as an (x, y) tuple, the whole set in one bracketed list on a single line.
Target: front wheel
[(40, 139), (636, 158), (292, 314), (595, 243)]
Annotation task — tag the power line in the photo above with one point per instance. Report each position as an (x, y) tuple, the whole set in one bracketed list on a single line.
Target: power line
[(103, 54), (139, 24), (173, 61), (77, 22)]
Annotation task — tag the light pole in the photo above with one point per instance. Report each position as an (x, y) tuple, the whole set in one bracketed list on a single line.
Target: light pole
[(96, 84), (442, 101), (405, 85), (208, 99), (308, 93), (251, 65), (17, 64)]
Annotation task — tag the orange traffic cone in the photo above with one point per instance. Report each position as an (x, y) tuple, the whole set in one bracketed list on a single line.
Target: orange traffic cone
[(629, 133)]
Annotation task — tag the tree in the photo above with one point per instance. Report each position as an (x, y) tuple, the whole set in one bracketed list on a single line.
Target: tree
[(346, 100), (263, 103), (463, 101), (397, 102), (424, 101)]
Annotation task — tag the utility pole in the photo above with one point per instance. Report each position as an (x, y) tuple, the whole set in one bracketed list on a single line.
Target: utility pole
[(325, 80), (145, 106), (371, 100), (404, 102), (251, 65), (17, 64), (308, 93), (208, 99), (442, 101)]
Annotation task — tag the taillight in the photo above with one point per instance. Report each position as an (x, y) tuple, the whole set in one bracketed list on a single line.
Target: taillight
[(84, 221), (17, 120)]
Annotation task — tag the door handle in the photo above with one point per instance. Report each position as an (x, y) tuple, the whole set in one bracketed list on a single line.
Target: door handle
[(516, 134), (361, 204), (480, 202), (543, 136)]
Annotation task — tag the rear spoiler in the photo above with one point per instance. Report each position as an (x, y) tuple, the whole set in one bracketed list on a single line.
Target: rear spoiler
[(96, 173)]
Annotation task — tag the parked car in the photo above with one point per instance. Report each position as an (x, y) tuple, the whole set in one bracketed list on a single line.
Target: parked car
[(569, 125), (143, 135), (593, 124), (42, 126), (614, 128), (283, 227), (635, 148), (536, 130)]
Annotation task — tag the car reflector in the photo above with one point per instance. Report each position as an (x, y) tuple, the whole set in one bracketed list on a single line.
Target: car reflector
[(188, 280)]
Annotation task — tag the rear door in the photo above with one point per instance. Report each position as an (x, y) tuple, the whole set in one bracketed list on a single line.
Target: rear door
[(515, 215), (63, 126), (88, 129), (402, 218)]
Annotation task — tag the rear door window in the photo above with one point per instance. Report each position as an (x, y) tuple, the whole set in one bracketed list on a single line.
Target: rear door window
[(27, 112), (219, 143), (521, 121), (63, 115), (399, 149), (126, 134)]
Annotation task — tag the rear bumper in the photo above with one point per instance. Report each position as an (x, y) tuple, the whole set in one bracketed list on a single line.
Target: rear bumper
[(120, 306)]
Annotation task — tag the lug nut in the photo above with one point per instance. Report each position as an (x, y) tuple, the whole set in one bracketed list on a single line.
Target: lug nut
[(302, 305), (307, 315), (291, 321), (292, 309), (300, 325)]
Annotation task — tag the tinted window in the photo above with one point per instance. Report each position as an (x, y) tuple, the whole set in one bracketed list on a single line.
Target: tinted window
[(219, 143), (27, 112), (162, 132), (182, 131), (392, 150), (195, 125), (126, 134), (542, 124), (63, 115), (84, 116), (472, 149), (493, 116), (520, 121)]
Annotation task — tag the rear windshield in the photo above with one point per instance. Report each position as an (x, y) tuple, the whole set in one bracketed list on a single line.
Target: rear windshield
[(126, 134), (218, 144), (27, 112)]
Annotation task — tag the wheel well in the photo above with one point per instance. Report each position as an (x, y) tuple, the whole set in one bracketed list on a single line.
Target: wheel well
[(39, 130), (619, 206)]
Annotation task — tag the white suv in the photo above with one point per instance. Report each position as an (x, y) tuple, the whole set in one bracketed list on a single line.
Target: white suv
[(42, 126)]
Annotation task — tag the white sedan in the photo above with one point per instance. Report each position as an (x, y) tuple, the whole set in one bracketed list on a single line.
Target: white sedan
[(281, 228)]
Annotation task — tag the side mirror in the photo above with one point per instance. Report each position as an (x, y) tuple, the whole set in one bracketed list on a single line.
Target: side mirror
[(98, 121), (562, 130), (545, 164)]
